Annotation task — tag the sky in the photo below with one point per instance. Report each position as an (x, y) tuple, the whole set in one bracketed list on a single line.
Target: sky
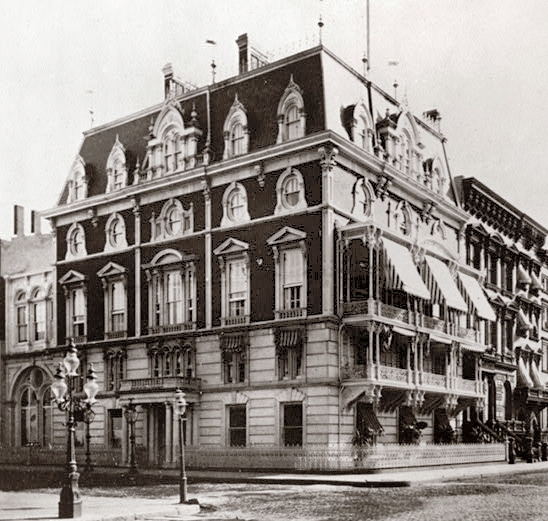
[(482, 64)]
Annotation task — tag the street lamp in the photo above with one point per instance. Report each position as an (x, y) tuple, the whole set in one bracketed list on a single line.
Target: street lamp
[(132, 414), (181, 404), (63, 388)]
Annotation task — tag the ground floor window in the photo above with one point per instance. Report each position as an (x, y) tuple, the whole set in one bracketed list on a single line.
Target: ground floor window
[(115, 428), (237, 425), (293, 424)]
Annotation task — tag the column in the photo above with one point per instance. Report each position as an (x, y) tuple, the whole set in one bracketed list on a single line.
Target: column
[(169, 431), (208, 252), (137, 214), (327, 162), (125, 439)]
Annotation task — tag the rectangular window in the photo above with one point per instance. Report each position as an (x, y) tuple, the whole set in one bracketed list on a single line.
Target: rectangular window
[(115, 428), (39, 317), (493, 268), (545, 356), (293, 424), (78, 313), (174, 298), (438, 362), (290, 362), (545, 318), (237, 425), (118, 307), (237, 288), (292, 278), (234, 367)]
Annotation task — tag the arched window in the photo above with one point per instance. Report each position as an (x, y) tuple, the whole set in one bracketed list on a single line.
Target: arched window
[(115, 233), (291, 115), (21, 317), (116, 167), (290, 192), (236, 134), (29, 417), (235, 205), (76, 242), (173, 221)]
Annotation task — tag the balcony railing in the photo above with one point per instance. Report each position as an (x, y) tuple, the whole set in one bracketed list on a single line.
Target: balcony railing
[(160, 383), (378, 308), (171, 328), (291, 313)]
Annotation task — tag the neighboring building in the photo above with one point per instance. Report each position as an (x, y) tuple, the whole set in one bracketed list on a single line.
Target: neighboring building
[(27, 414), (287, 247), (508, 247)]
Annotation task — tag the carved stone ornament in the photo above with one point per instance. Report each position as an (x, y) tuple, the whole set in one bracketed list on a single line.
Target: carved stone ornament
[(327, 157)]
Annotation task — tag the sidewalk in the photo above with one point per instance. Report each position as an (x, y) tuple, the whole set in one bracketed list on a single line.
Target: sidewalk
[(27, 505)]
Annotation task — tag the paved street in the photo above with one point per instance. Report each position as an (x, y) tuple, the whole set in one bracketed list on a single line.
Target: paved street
[(478, 493)]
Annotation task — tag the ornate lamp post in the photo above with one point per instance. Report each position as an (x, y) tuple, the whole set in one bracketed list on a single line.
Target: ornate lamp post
[(132, 414), (181, 404), (88, 417), (63, 388)]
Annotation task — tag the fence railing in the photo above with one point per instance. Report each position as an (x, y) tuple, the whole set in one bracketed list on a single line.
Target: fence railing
[(290, 459)]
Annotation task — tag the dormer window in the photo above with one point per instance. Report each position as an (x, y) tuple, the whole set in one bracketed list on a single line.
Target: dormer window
[(115, 231), (116, 167), (290, 192), (77, 186), (173, 221), (291, 115), (76, 242), (236, 134), (235, 205)]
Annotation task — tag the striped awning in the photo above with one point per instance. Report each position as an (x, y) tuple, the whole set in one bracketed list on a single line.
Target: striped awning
[(233, 342), (288, 338), (477, 297), (403, 272), (535, 375), (442, 281), (523, 276), (523, 321), (371, 420)]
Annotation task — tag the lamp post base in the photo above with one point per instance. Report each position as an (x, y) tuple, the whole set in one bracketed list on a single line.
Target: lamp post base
[(183, 491), (70, 501)]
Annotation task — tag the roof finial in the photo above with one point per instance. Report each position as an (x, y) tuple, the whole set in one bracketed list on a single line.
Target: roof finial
[(213, 64), (396, 84), (320, 22)]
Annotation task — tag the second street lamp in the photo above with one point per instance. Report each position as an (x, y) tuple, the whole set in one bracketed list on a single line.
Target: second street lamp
[(132, 415), (63, 388), (181, 403)]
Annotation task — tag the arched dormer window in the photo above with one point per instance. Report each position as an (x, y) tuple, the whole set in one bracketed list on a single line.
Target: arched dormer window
[(115, 232), (172, 147), (291, 114), (77, 185), (116, 167), (402, 218), (407, 154), (173, 221), (76, 242), (235, 205), (236, 134), (290, 192), (357, 122)]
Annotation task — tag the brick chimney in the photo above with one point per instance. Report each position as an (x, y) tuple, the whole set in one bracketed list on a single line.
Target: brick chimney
[(35, 222), (18, 221)]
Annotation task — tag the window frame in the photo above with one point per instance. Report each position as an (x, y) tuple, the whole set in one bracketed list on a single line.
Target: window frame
[(235, 190), (237, 116), (291, 100), (73, 284), (298, 428), (282, 204), (237, 430)]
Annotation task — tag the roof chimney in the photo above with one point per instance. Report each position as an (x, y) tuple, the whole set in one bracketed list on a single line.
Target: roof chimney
[(35, 222), (168, 77), (18, 221), (433, 117), (249, 58)]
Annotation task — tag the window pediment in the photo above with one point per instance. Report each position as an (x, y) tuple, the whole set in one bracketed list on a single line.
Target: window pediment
[(72, 278), (286, 235), (231, 246), (112, 269)]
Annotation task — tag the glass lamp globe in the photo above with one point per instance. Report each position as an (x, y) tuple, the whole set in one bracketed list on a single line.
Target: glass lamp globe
[(71, 361), (59, 386), (180, 400), (91, 387)]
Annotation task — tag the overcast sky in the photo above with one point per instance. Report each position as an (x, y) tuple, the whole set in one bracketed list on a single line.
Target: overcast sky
[(482, 64)]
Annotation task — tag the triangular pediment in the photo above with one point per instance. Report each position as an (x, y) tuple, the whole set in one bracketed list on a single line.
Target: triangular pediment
[(231, 245), (72, 277), (285, 235), (111, 270)]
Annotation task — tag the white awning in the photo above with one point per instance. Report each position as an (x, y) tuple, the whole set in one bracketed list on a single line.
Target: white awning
[(405, 275), (445, 283), (523, 375), (537, 379), (477, 297)]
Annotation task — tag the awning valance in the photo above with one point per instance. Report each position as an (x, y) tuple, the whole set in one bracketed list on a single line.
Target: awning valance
[(523, 276), (523, 321), (288, 338), (441, 277), (477, 297), (524, 380), (536, 284), (404, 273)]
